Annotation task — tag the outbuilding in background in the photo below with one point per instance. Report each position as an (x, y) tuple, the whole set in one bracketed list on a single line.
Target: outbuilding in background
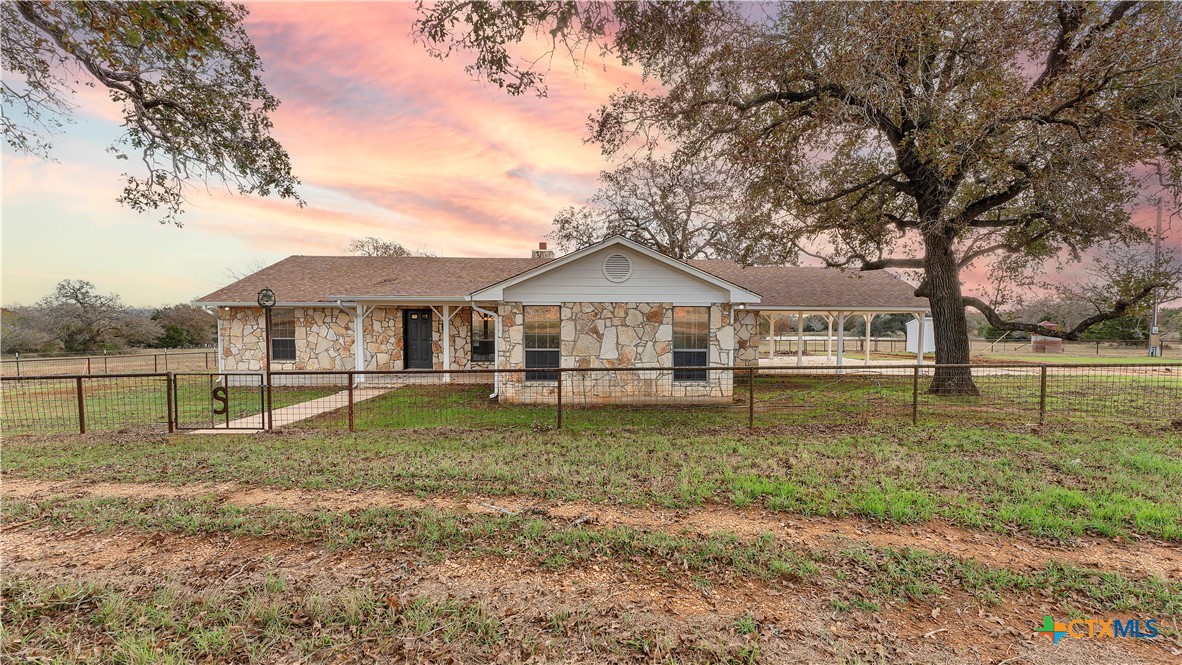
[(929, 336), (1044, 344)]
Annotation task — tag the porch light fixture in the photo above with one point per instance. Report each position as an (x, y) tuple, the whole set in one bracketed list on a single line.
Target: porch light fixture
[(266, 298)]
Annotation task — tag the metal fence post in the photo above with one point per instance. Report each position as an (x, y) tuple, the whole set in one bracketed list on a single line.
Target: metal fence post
[(81, 408), (1042, 395), (156, 363), (270, 424), (169, 396), (165, 360), (915, 395), (560, 398), (350, 401), (88, 365), (105, 370), (751, 398)]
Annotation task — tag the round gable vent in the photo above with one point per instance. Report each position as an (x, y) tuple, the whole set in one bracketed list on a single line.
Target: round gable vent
[(617, 267)]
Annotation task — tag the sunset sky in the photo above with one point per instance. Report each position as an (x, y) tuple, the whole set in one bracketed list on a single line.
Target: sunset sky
[(387, 141)]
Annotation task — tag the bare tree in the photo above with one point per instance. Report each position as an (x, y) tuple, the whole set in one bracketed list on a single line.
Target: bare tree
[(249, 268), (79, 318), (374, 246), (687, 209)]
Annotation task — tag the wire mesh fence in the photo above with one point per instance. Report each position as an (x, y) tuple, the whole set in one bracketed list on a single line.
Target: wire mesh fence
[(659, 399), (46, 405), (162, 361)]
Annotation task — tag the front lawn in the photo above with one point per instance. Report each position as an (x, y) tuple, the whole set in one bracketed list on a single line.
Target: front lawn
[(1108, 481)]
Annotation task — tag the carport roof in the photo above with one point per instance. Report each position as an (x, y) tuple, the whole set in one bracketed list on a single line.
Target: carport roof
[(823, 289)]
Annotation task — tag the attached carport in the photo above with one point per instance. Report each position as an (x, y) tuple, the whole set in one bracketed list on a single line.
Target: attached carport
[(835, 295)]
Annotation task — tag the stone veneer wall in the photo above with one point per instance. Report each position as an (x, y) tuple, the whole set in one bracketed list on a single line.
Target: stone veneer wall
[(382, 331), (323, 338), (607, 335), (746, 338), (616, 335)]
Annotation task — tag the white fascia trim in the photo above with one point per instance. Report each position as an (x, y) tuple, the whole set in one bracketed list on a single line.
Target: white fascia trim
[(737, 293), (850, 310), (418, 300), (200, 303)]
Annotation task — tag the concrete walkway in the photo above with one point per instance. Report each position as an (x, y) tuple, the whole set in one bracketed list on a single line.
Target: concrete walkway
[(297, 412)]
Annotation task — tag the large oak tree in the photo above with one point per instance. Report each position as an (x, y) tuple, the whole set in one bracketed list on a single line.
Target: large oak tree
[(185, 76), (919, 136)]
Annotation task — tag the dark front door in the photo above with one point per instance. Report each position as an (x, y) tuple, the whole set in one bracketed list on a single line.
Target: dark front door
[(416, 325)]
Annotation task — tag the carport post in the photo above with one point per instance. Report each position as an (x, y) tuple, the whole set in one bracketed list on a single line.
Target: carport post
[(799, 339), (840, 337), (828, 336), (868, 318), (919, 340)]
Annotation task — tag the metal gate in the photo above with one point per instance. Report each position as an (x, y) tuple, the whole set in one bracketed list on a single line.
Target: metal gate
[(219, 401)]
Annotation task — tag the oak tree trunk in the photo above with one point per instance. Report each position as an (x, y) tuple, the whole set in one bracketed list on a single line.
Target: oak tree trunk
[(949, 322)]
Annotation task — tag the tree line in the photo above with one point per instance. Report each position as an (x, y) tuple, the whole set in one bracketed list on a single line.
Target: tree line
[(78, 318)]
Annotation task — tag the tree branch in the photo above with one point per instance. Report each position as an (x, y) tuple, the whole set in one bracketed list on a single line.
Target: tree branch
[(1119, 308)]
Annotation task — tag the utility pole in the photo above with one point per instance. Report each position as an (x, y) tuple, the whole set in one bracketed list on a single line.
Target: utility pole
[(1154, 331)]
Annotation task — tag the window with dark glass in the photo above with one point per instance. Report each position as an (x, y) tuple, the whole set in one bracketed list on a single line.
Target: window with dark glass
[(691, 342), (542, 338), (283, 334), (482, 337)]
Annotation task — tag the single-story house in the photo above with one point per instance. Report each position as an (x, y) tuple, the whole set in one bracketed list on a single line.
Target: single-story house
[(614, 304)]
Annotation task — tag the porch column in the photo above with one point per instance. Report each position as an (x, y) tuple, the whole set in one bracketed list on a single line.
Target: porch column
[(799, 339), (868, 318), (447, 341), (840, 337), (359, 340), (919, 339)]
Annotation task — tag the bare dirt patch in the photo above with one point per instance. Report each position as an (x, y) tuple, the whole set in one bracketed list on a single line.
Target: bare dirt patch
[(1138, 558), (609, 606)]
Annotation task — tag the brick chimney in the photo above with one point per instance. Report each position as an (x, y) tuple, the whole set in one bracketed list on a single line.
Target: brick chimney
[(542, 253)]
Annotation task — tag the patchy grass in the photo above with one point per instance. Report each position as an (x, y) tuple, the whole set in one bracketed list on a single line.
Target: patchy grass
[(873, 573), (170, 625), (1055, 484)]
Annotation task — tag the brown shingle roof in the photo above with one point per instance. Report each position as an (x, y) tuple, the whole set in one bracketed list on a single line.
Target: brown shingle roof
[(829, 288), (316, 278)]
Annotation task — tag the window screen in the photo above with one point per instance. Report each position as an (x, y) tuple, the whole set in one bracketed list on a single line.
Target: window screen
[(691, 342), (482, 337), (542, 338), (283, 334)]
